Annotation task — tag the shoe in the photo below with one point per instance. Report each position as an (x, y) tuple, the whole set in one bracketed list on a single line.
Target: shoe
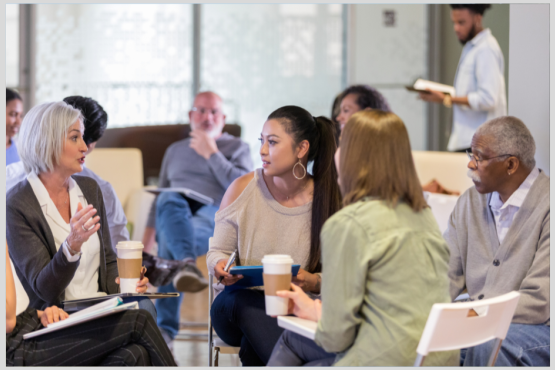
[(160, 271), (190, 279)]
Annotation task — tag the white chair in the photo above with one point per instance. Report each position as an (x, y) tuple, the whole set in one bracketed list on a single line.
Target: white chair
[(449, 169), (451, 326), (215, 344)]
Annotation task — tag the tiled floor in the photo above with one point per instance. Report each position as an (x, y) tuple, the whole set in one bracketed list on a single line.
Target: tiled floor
[(191, 346)]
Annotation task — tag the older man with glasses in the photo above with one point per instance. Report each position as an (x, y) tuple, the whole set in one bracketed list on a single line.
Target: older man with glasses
[(206, 162), (499, 239)]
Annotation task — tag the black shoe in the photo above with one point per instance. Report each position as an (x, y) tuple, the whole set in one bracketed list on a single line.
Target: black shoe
[(189, 279), (160, 271)]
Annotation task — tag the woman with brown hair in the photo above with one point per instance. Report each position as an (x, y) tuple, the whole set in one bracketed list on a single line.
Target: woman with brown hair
[(384, 260)]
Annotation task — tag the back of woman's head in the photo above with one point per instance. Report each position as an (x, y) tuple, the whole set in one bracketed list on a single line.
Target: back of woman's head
[(43, 133), (96, 119), (11, 95), (367, 97), (320, 133), (376, 160)]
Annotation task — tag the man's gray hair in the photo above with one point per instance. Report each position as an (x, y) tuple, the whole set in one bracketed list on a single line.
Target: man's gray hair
[(510, 136), (43, 133)]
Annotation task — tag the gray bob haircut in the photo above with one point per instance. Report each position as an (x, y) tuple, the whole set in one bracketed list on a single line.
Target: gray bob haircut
[(43, 133), (510, 136)]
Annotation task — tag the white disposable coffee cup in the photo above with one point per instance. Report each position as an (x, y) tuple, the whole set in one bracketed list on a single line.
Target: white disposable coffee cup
[(280, 266), (130, 261)]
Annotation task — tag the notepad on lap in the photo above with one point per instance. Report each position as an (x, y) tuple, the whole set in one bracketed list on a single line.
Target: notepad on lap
[(105, 308), (303, 327), (81, 304)]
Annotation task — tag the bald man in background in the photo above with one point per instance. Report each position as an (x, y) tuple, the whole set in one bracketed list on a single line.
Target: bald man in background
[(206, 162)]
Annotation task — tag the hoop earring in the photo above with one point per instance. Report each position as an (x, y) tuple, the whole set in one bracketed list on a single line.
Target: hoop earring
[(304, 169)]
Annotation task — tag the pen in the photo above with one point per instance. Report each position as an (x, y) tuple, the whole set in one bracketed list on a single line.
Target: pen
[(228, 264)]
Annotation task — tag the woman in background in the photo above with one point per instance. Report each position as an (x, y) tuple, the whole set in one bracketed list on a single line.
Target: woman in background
[(384, 260), (277, 209), (130, 338), (356, 98), (14, 111)]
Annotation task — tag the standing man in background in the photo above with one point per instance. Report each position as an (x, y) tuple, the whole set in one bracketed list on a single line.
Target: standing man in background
[(479, 81)]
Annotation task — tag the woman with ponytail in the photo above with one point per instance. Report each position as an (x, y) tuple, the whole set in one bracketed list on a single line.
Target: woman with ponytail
[(277, 209)]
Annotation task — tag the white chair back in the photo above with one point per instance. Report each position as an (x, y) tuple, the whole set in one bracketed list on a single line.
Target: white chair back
[(450, 326), (121, 167), (449, 169)]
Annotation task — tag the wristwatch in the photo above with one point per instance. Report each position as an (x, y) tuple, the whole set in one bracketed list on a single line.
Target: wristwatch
[(71, 251), (447, 101)]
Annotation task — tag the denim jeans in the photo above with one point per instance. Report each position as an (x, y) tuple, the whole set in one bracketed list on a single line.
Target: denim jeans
[(180, 235), (239, 318), (525, 345), (295, 350)]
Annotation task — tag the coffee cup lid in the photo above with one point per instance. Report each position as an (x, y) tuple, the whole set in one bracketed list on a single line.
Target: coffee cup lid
[(277, 258), (130, 245)]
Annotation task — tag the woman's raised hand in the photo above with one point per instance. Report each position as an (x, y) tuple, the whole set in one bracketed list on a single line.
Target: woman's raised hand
[(229, 279), (82, 225)]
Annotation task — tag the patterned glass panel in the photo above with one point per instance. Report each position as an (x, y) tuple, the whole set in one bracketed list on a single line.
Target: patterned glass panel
[(12, 45), (135, 60), (262, 57)]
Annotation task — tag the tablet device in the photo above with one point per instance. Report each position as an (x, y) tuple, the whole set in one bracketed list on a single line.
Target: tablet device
[(252, 276)]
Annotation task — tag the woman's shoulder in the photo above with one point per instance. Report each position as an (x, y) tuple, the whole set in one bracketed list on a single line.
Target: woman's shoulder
[(236, 190), (19, 193), (88, 185)]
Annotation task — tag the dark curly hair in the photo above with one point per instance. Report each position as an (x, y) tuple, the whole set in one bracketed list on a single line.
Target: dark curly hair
[(12, 95), (475, 8), (96, 119), (367, 97)]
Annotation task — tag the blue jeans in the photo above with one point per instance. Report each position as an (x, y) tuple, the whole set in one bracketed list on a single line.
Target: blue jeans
[(525, 345), (295, 350), (239, 318), (180, 235)]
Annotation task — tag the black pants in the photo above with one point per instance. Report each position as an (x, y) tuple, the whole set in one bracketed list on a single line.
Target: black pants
[(130, 338), (239, 318)]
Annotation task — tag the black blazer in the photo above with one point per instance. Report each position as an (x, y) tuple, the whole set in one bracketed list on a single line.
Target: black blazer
[(43, 270)]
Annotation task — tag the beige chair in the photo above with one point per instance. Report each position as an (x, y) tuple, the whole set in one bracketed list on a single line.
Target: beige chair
[(123, 169), (449, 169), (215, 344)]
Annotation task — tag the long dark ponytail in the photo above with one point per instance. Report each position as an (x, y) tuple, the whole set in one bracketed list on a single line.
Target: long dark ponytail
[(320, 133)]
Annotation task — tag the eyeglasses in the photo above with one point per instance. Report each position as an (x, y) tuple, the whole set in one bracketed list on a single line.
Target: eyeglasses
[(215, 112), (472, 157)]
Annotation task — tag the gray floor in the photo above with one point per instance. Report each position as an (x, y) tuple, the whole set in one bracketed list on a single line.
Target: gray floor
[(194, 352)]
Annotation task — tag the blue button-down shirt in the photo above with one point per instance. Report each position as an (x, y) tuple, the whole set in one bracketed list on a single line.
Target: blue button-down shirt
[(117, 221), (480, 78)]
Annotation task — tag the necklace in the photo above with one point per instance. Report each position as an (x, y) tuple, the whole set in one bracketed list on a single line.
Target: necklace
[(297, 192)]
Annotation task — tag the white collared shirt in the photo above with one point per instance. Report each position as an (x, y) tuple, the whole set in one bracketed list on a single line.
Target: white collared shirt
[(85, 281), (504, 213), (480, 78)]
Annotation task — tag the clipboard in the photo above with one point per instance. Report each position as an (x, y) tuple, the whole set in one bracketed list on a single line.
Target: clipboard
[(252, 276), (81, 304)]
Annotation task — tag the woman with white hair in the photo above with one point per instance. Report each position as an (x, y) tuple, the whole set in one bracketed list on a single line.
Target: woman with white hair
[(56, 222)]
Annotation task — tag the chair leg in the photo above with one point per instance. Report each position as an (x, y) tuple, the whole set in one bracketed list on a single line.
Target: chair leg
[(495, 352), (419, 360), (217, 356)]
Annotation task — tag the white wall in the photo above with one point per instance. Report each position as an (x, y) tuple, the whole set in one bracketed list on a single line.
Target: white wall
[(529, 73), (388, 58)]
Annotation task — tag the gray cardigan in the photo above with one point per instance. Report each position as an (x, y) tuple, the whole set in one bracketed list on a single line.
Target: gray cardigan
[(43, 269), (487, 269)]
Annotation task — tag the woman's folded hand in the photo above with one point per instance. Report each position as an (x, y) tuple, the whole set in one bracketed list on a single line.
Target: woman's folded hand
[(51, 314)]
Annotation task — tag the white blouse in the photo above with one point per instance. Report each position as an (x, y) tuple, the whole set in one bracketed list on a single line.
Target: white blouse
[(85, 281)]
